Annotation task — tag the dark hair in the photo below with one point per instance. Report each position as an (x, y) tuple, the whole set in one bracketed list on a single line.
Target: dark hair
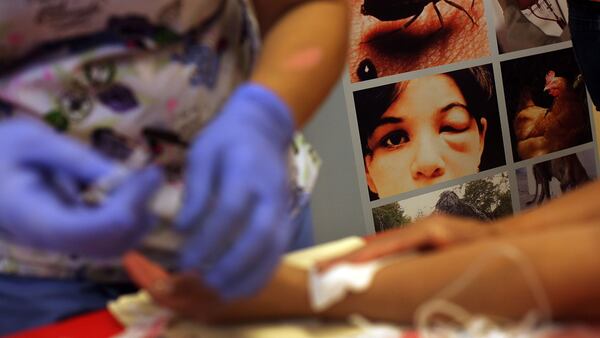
[(476, 85)]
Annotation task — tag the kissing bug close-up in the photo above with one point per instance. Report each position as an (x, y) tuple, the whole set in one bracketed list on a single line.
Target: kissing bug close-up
[(392, 10)]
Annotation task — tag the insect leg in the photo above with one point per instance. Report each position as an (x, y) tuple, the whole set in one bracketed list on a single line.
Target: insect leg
[(437, 11), (454, 4), (413, 18)]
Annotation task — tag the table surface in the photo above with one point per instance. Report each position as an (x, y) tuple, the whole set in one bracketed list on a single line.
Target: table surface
[(98, 324)]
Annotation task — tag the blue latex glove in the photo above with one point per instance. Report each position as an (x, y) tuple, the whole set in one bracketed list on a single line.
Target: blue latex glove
[(34, 163), (237, 193)]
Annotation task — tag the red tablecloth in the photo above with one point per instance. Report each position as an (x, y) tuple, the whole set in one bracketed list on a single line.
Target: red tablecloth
[(99, 324)]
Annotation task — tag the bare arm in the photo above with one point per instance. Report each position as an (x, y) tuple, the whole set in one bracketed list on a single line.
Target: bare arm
[(438, 231), (304, 50), (499, 290), (397, 290)]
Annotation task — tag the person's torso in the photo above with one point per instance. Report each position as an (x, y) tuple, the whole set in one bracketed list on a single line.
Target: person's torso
[(110, 69), (121, 75)]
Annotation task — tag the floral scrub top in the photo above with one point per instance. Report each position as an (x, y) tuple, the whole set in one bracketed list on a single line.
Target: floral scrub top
[(125, 75)]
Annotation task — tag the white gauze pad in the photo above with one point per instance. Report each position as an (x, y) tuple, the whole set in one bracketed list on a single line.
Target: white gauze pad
[(328, 288), (332, 286)]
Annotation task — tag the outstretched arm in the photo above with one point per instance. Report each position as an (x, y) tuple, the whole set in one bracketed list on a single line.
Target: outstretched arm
[(440, 231), (499, 288)]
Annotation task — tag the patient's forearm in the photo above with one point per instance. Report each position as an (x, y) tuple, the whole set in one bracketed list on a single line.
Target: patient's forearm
[(500, 288), (565, 260)]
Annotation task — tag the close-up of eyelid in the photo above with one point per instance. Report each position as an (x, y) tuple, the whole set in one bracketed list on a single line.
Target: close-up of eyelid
[(382, 30), (430, 20), (457, 122), (454, 105), (454, 128), (398, 36), (457, 116)]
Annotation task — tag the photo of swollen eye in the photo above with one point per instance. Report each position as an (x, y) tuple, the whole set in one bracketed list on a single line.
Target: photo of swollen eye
[(429, 130), (395, 36)]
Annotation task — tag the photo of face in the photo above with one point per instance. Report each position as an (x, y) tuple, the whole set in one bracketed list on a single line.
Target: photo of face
[(425, 131), (394, 36)]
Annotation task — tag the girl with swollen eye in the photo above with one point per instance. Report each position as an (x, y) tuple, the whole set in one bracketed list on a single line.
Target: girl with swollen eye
[(424, 131)]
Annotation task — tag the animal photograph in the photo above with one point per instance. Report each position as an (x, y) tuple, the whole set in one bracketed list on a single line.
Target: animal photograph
[(425, 131), (396, 36), (523, 24), (546, 180), (484, 199), (546, 104)]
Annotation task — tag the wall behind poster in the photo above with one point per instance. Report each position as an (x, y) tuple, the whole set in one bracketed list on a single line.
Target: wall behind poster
[(469, 107)]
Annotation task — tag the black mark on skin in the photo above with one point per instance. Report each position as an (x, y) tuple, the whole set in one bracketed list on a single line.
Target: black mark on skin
[(366, 70)]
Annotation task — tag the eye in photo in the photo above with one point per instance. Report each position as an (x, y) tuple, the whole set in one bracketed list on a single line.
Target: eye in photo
[(429, 130)]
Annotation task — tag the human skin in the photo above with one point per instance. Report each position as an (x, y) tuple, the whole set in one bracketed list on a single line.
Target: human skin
[(438, 231), (321, 41), (400, 288), (524, 4), (394, 49), (551, 237), (423, 139)]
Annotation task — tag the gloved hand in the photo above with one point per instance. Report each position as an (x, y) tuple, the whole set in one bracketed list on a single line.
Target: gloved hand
[(237, 191), (34, 161)]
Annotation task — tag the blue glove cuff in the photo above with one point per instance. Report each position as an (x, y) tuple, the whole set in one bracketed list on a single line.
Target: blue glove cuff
[(273, 114)]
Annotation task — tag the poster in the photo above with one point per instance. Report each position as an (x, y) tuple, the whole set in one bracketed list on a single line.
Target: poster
[(475, 105)]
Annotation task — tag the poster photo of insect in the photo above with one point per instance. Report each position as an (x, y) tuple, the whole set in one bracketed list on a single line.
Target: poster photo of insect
[(522, 24), (396, 36), (546, 104)]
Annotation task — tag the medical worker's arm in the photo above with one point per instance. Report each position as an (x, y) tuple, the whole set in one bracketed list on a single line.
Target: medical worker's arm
[(237, 201), (509, 271), (304, 50)]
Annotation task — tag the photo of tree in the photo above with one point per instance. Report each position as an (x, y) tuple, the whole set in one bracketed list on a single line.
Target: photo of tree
[(484, 199)]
